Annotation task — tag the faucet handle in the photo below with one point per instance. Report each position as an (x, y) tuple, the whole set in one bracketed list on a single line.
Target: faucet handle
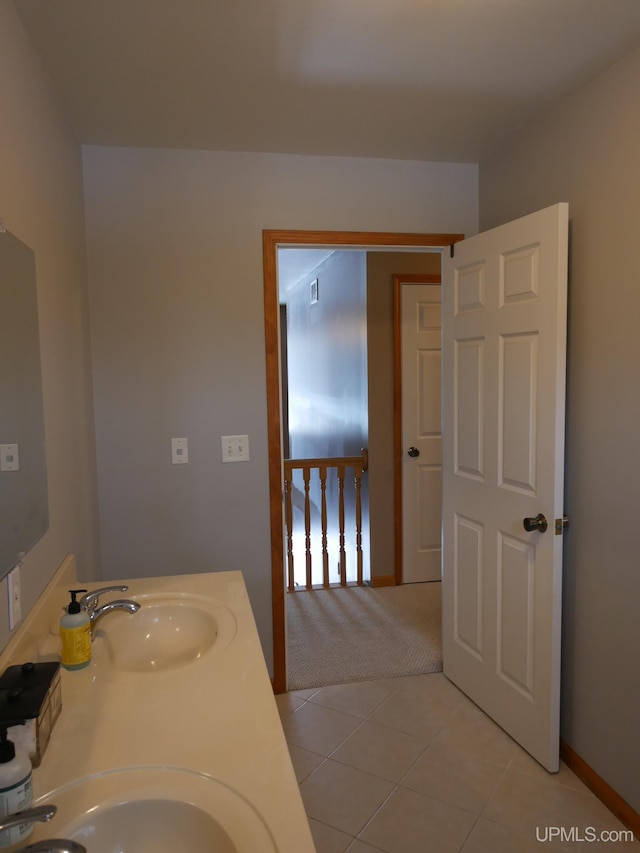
[(89, 601)]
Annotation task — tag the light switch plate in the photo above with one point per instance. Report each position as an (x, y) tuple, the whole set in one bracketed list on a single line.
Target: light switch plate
[(235, 448)]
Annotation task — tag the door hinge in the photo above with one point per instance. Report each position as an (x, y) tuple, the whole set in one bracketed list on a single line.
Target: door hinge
[(561, 523)]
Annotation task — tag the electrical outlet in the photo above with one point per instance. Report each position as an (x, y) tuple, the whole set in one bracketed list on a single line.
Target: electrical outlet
[(9, 457), (179, 451), (15, 597)]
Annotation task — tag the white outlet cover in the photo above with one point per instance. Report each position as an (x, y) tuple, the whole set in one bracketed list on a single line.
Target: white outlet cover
[(9, 457), (179, 451)]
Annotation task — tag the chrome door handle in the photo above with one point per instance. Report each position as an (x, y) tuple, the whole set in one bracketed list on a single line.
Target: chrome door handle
[(538, 523), (413, 452)]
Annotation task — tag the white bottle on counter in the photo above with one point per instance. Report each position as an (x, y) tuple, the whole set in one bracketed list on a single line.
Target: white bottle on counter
[(15, 793)]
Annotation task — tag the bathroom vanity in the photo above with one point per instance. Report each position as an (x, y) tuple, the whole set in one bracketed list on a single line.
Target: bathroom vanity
[(171, 735)]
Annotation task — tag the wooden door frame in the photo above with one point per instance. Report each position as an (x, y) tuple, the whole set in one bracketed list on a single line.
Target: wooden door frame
[(398, 281), (272, 240)]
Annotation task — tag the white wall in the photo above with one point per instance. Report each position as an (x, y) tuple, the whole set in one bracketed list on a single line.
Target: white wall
[(41, 202), (586, 153), (176, 294)]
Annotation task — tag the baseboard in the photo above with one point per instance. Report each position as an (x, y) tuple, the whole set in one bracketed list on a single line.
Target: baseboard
[(612, 800), (383, 580)]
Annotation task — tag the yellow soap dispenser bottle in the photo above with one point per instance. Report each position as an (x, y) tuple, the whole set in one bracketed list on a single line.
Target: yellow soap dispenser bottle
[(75, 635)]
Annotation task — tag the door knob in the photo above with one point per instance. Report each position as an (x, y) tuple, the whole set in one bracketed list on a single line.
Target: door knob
[(538, 523), (413, 451)]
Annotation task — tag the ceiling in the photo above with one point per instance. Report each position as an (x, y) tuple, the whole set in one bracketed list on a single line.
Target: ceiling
[(444, 80)]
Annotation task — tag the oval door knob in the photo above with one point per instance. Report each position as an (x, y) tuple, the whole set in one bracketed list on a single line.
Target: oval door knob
[(538, 523), (413, 451)]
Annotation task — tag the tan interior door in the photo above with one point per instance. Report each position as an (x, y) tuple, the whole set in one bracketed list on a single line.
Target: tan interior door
[(421, 333)]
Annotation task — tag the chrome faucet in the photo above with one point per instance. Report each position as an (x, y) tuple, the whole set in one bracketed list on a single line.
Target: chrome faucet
[(50, 845), (89, 600), (89, 603), (43, 813)]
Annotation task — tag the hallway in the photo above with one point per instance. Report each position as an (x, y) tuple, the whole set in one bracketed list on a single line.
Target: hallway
[(338, 636)]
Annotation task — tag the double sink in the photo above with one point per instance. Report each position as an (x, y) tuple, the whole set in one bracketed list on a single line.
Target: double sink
[(170, 739)]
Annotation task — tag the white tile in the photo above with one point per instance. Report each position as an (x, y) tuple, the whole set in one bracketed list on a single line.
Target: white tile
[(452, 763), (287, 703), (489, 837), (409, 713), (379, 750), (360, 698), (318, 729), (327, 839), (304, 762), (454, 777), (412, 823), (529, 803), (431, 686), (523, 761), (360, 847), (304, 694), (470, 730), (343, 797)]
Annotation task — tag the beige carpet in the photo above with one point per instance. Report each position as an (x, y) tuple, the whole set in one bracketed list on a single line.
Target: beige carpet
[(336, 636)]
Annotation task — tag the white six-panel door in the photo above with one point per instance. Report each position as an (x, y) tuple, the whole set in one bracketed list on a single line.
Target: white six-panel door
[(421, 327), (504, 338)]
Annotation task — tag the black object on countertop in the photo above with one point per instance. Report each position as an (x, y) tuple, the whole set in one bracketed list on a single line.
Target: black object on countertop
[(23, 689)]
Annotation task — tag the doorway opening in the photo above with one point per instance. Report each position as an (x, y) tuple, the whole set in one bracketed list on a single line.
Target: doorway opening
[(272, 242), (324, 382)]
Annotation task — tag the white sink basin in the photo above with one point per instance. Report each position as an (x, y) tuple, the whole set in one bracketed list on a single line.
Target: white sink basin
[(170, 630), (155, 810)]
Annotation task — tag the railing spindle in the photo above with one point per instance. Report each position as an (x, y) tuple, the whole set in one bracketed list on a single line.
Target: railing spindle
[(306, 473), (323, 515), (288, 511), (343, 553), (358, 485)]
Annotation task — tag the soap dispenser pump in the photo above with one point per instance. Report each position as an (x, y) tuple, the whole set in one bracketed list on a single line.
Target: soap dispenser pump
[(15, 792), (75, 634)]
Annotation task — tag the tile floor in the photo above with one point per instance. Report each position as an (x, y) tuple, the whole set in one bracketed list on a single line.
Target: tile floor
[(410, 765)]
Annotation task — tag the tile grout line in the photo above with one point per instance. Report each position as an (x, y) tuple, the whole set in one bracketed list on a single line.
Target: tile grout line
[(375, 776), (511, 764), (397, 785)]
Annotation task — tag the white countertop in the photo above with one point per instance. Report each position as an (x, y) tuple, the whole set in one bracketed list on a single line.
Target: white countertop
[(217, 715)]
